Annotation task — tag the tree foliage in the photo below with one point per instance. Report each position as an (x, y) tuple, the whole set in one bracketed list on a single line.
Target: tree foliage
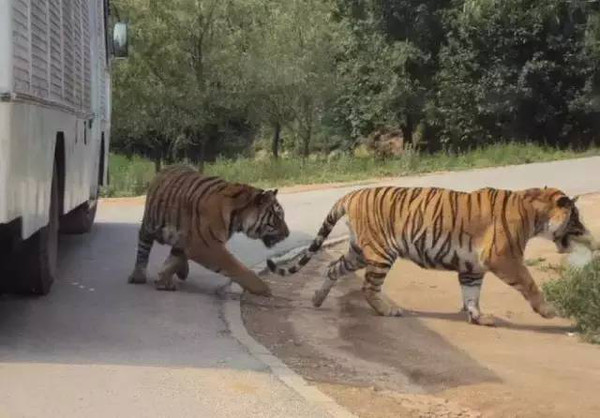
[(521, 70), (213, 77)]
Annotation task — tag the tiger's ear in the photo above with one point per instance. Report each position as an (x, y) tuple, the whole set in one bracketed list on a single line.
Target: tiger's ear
[(266, 196), (270, 193), (574, 199), (564, 202)]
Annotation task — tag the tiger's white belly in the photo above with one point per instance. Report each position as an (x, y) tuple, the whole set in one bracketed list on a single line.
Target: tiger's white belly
[(172, 236)]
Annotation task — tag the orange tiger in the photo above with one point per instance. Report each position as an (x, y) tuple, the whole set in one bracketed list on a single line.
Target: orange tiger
[(196, 215), (470, 233)]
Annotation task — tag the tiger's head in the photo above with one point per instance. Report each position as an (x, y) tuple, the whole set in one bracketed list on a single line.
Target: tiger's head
[(264, 219), (562, 222)]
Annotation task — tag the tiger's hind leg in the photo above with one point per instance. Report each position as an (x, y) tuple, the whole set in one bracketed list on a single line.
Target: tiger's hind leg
[(374, 278), (176, 263), (183, 268), (145, 242), (351, 261), (470, 285)]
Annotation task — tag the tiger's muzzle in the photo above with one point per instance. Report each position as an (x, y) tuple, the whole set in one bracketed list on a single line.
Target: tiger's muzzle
[(271, 240), (575, 231)]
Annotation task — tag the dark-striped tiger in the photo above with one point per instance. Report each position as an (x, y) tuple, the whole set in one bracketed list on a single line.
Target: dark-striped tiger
[(196, 215), (470, 233)]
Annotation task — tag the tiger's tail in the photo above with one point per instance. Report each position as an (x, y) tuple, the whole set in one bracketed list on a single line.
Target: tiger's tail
[(337, 211)]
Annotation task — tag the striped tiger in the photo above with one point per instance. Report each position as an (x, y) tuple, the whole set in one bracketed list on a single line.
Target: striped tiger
[(196, 215), (470, 233)]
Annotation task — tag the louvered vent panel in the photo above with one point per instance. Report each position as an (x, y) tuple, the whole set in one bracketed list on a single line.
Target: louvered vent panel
[(77, 55), (21, 55), (87, 75), (67, 25), (52, 57), (102, 82), (56, 76), (39, 48)]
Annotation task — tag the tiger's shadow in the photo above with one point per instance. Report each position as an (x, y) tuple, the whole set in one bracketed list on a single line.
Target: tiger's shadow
[(356, 296), (499, 322)]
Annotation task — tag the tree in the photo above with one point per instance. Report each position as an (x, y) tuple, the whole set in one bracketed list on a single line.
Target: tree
[(185, 82), (206, 75), (270, 67), (295, 72), (378, 87), (389, 62), (516, 69)]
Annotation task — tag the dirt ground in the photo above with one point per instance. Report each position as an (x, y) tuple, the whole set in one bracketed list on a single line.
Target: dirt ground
[(431, 362)]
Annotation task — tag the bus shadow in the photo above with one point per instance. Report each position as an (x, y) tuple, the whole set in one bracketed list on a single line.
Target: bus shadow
[(93, 316)]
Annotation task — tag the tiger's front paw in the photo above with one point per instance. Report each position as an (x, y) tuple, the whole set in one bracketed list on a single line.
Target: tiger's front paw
[(474, 315), (395, 310), (165, 283), (138, 276), (485, 320), (261, 289), (547, 311)]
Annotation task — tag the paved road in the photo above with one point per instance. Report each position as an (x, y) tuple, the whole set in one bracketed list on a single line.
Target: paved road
[(97, 346)]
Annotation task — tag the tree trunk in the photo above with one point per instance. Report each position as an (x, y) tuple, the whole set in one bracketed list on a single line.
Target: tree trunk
[(276, 140), (157, 163), (306, 140), (202, 154), (308, 133), (407, 131)]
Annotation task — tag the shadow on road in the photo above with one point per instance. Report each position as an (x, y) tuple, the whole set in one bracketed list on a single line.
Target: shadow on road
[(93, 316), (343, 342), (405, 344), (460, 317)]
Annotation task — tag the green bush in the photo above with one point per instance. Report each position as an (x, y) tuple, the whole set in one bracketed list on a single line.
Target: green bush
[(128, 176), (577, 295)]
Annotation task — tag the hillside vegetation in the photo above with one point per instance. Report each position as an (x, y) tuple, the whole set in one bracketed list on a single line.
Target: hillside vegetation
[(212, 81)]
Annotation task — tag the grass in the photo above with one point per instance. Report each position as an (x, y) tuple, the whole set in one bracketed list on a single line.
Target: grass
[(130, 177), (577, 295)]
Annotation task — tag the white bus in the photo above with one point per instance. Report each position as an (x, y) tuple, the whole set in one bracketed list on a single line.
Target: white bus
[(54, 129)]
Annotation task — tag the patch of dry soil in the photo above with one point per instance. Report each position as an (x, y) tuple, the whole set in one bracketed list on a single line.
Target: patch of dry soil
[(431, 363)]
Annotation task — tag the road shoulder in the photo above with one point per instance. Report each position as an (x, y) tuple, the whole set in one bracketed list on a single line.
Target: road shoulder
[(233, 317)]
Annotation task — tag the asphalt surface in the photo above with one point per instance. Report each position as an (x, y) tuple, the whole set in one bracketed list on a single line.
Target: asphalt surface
[(97, 346)]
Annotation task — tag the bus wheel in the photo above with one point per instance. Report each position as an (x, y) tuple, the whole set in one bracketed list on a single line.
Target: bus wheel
[(40, 252)]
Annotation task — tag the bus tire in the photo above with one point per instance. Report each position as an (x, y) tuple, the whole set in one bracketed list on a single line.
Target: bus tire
[(39, 255)]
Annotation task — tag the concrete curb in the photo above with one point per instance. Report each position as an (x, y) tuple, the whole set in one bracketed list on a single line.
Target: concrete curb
[(233, 317)]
